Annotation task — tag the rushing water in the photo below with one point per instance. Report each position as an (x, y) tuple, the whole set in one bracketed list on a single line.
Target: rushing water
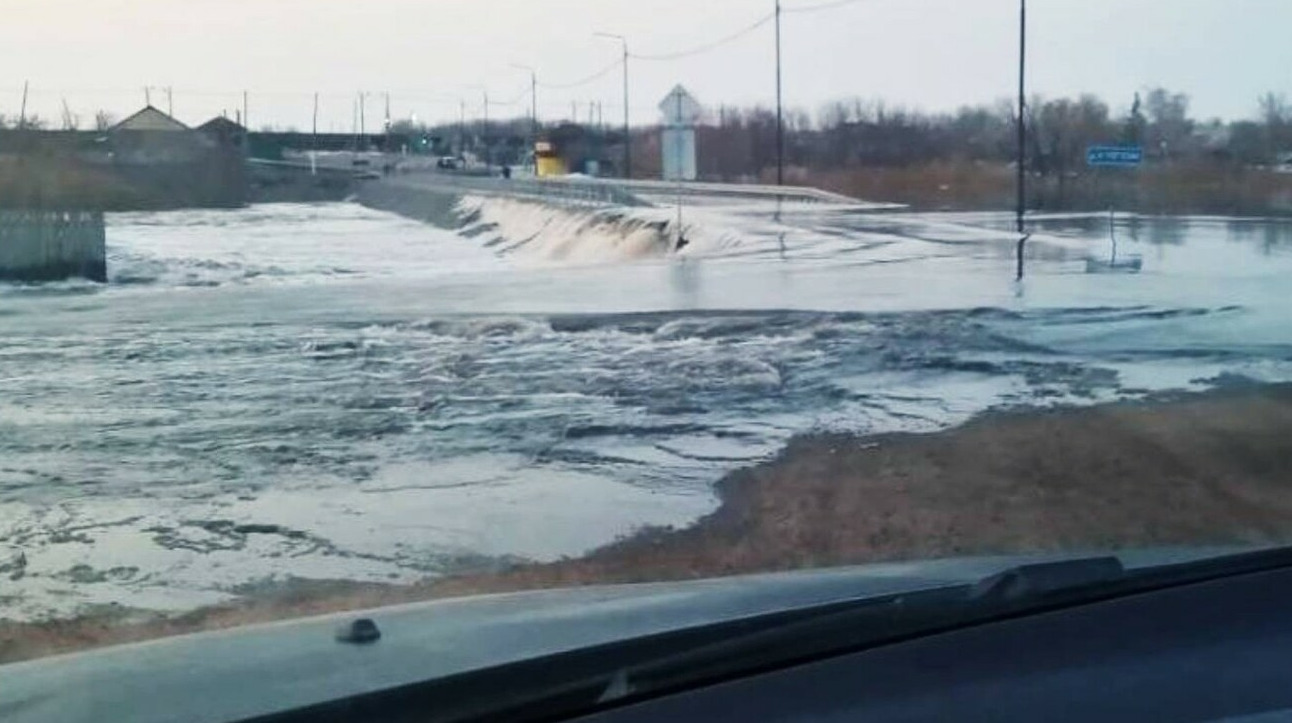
[(331, 392)]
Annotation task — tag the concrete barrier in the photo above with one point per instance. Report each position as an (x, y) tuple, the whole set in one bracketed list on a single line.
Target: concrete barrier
[(52, 245), (436, 205)]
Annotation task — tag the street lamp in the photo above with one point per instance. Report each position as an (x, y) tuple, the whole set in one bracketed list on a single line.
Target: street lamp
[(484, 134), (1022, 132), (628, 157), (533, 95), (780, 116)]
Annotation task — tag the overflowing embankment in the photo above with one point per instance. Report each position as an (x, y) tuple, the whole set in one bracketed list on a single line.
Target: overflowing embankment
[(560, 228)]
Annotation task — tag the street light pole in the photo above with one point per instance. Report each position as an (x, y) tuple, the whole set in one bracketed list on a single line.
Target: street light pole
[(628, 155), (484, 134), (533, 116), (533, 123), (780, 119), (462, 128), (1022, 134)]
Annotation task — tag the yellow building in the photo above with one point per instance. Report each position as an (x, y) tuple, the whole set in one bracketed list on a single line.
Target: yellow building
[(547, 162)]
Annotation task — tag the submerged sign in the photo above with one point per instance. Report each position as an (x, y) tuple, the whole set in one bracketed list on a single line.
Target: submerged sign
[(1114, 155)]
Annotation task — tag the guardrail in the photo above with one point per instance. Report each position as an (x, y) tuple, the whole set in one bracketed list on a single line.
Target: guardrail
[(807, 194), (596, 192), (548, 190)]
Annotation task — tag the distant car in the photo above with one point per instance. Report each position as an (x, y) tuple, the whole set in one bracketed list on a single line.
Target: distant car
[(449, 163)]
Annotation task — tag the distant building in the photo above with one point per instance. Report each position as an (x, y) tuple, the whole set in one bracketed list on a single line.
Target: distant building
[(224, 132), (151, 137), (168, 164), (577, 148), (149, 160), (150, 120)]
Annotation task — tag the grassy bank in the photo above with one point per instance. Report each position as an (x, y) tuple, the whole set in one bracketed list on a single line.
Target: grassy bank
[(1212, 468), (1197, 188), (48, 180)]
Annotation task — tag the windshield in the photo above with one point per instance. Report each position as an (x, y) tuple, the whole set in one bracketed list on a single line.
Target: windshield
[(326, 306)]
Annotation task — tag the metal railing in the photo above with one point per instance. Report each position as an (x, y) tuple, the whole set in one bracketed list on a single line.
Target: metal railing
[(587, 194)]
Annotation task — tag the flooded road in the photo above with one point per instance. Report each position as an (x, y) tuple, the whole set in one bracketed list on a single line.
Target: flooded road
[(330, 392)]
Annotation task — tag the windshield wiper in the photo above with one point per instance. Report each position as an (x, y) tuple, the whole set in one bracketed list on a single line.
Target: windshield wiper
[(581, 681), (866, 623), (1026, 589)]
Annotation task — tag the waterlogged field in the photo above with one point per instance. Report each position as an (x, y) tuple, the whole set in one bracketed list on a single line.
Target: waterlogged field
[(329, 392)]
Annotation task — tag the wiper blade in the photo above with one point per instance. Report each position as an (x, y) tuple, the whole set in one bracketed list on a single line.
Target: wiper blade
[(579, 682), (1028, 582), (1020, 590), (867, 623)]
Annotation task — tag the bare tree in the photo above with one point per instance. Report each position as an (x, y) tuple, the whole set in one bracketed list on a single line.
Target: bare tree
[(31, 123), (1276, 115), (1169, 125), (104, 120), (1275, 109), (71, 121)]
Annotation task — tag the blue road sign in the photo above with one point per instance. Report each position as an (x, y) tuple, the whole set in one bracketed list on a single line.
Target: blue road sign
[(1114, 155)]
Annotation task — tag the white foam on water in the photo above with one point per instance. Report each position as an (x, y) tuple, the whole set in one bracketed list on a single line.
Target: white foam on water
[(545, 233), (336, 393), (281, 243)]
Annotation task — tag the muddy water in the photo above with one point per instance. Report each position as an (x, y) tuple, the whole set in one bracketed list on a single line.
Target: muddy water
[(330, 392)]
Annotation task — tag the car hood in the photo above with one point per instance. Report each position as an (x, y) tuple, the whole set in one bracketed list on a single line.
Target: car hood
[(245, 672)]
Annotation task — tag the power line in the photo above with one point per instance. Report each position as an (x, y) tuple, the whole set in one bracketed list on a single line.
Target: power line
[(712, 45), (515, 99), (425, 96), (820, 6), (591, 78)]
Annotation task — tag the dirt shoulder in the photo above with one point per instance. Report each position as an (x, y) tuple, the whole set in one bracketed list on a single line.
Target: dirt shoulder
[(1194, 469)]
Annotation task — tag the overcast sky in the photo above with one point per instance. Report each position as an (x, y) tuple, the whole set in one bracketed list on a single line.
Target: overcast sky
[(931, 54)]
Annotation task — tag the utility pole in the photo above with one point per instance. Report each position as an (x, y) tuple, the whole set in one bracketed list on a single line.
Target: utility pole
[(354, 122), (170, 102), (780, 119), (148, 95), (533, 122), (246, 117), (314, 137), (628, 155), (22, 114), (363, 123), (484, 133), (462, 127), (1022, 133), (681, 239)]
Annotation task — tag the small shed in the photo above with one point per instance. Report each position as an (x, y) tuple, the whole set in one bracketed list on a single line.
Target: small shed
[(224, 132)]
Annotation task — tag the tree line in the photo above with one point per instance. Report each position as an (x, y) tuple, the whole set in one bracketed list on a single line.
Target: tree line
[(858, 133)]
